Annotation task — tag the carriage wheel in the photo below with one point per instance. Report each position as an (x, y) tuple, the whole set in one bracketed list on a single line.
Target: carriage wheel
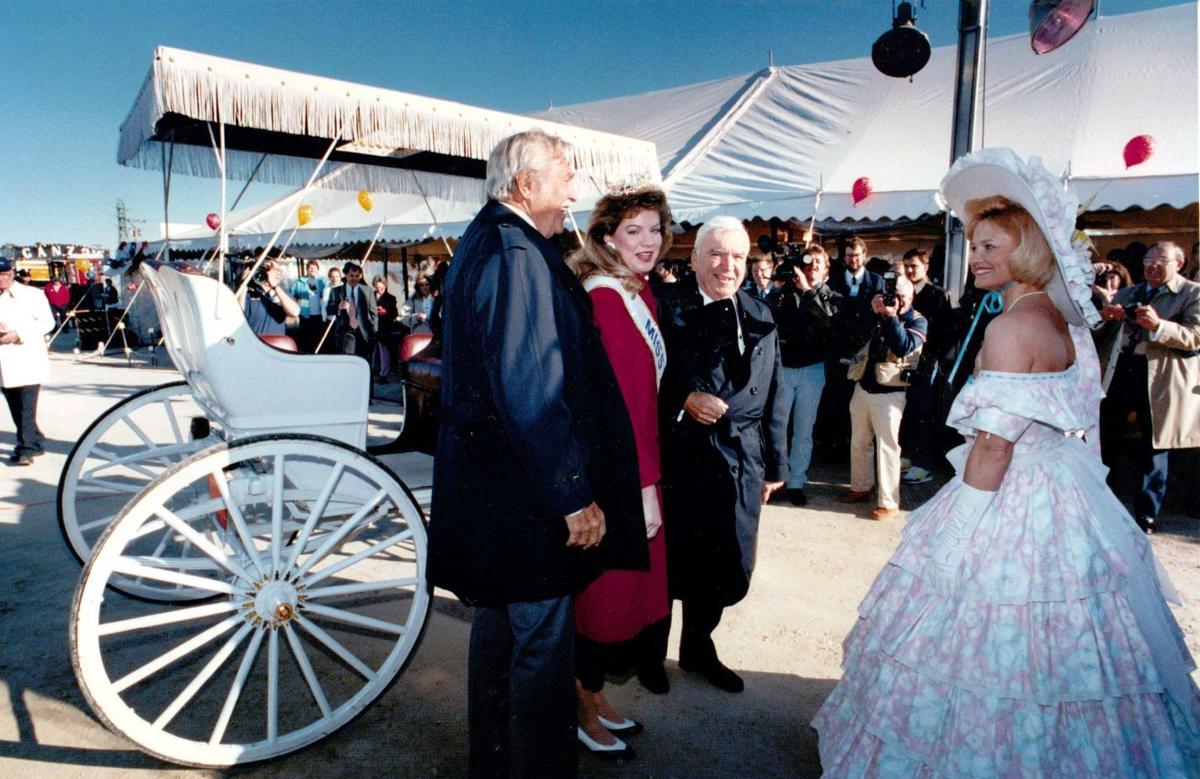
[(314, 555), (125, 449)]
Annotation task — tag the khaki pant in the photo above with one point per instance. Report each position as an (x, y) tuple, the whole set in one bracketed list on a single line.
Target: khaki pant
[(876, 416)]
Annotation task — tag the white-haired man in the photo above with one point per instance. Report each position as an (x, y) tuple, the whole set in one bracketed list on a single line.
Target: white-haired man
[(1157, 372), (535, 478), (724, 449)]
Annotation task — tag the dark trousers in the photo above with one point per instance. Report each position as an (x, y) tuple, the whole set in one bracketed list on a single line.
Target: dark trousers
[(22, 404), (311, 330), (521, 691), (700, 619), (1130, 392), (353, 342), (916, 429)]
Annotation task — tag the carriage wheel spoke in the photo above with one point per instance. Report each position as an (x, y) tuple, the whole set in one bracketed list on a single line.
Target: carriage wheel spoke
[(315, 515), (169, 410), (135, 569), (314, 685), (341, 615), (277, 515), (169, 617), (334, 646), (235, 689), (336, 537), (206, 673), (203, 544), (180, 651), (359, 587), (273, 686), (239, 521), (137, 430), (94, 486), (101, 523), (357, 557)]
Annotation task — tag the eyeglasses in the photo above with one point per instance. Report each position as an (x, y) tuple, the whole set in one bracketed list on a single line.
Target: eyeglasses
[(1158, 259)]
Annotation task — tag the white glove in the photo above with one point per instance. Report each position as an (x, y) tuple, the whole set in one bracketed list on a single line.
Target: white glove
[(949, 544), (651, 511)]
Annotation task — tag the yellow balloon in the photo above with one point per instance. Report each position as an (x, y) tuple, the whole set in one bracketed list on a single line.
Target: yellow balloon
[(304, 215), (365, 200)]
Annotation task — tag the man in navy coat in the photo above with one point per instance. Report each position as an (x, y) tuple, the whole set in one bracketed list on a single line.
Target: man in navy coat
[(724, 446), (535, 477)]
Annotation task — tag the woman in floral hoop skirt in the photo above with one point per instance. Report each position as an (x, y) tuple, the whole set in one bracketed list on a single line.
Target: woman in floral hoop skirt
[(1021, 628)]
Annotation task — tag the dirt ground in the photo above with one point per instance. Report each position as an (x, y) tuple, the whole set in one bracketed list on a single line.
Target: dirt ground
[(814, 566)]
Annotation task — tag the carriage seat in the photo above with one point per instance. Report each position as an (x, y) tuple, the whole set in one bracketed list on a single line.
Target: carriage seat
[(249, 386)]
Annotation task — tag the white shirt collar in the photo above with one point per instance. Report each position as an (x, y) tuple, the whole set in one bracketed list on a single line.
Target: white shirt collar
[(856, 278), (516, 209)]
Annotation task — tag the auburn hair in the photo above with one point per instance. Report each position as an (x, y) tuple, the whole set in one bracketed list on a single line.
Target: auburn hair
[(595, 258)]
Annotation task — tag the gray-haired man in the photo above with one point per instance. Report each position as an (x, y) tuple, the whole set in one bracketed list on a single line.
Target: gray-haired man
[(535, 478)]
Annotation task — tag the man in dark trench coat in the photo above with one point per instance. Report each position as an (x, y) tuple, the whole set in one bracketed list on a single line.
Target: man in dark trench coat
[(724, 447), (535, 486)]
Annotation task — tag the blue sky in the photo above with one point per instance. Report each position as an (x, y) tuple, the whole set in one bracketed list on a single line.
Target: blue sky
[(72, 69)]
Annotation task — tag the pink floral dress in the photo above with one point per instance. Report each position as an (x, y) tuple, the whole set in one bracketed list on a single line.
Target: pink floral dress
[(1050, 652)]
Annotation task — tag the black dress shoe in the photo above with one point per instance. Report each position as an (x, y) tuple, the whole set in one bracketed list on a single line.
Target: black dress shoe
[(1146, 524), (797, 497), (654, 678), (717, 674)]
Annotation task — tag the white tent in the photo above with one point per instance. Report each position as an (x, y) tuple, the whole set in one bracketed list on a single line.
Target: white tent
[(337, 219), (762, 145), (195, 111)]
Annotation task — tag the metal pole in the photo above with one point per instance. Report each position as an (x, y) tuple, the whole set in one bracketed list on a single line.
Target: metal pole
[(404, 269), (968, 98)]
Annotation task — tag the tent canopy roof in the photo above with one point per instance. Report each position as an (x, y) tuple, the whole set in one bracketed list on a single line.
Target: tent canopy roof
[(764, 144), (277, 122)]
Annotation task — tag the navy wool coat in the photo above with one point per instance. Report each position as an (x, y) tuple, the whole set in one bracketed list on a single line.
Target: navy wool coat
[(534, 426), (713, 474)]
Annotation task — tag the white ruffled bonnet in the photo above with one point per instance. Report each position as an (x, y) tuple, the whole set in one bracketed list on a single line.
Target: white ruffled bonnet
[(989, 172)]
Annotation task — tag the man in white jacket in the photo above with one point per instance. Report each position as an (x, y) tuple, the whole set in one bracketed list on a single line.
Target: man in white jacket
[(25, 319)]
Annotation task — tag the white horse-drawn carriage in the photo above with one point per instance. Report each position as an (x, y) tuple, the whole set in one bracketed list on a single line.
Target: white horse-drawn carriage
[(277, 569), (253, 579)]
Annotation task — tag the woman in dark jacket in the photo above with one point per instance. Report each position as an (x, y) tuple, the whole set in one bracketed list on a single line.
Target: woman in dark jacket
[(385, 342)]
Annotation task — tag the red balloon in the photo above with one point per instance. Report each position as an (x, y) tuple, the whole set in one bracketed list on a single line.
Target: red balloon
[(861, 189), (213, 220), (1139, 149)]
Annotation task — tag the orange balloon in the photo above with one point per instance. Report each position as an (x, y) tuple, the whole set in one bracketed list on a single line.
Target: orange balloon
[(365, 200), (304, 215)]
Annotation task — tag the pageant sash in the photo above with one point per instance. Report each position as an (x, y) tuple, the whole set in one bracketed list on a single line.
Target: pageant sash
[(642, 318)]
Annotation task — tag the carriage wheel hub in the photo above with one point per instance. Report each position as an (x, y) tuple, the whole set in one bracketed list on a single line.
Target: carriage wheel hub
[(276, 602)]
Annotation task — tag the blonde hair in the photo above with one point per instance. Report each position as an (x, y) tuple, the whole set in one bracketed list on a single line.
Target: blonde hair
[(594, 258), (1031, 261)]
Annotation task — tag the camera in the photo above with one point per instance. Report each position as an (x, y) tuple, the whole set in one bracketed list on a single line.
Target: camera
[(785, 272), (889, 289), (1131, 310)]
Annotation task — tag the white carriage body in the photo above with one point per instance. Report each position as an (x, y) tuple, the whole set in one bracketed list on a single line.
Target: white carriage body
[(249, 387)]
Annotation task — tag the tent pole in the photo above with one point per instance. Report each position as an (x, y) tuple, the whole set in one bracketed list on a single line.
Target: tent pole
[(968, 99), (246, 186), (404, 269), (295, 205)]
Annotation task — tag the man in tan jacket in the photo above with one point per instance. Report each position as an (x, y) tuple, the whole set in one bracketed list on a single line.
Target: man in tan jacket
[(1157, 376)]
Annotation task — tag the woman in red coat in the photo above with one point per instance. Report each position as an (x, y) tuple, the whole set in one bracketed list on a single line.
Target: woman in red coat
[(626, 612)]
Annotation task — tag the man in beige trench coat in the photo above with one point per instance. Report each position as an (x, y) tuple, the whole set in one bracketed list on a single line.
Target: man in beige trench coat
[(1157, 373)]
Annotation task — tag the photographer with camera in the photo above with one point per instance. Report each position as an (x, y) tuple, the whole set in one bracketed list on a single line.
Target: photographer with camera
[(882, 369), (1156, 374), (806, 311), (264, 302)]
